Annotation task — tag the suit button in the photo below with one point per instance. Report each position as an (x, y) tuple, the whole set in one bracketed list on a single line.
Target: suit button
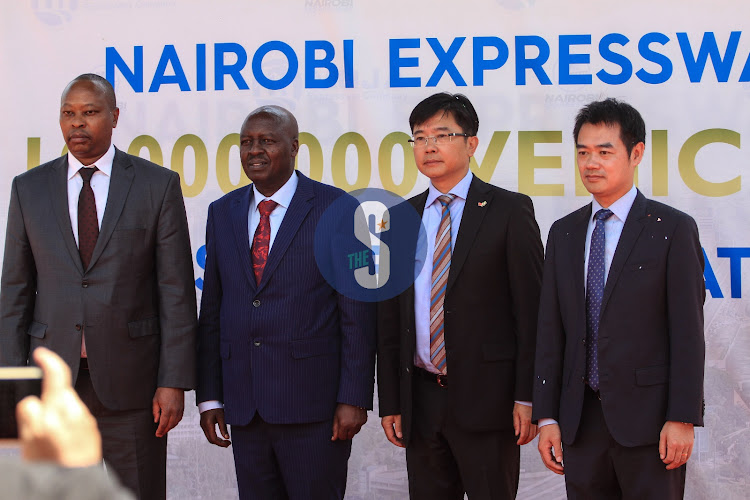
[(85, 284), (78, 328), (256, 343), (407, 369), (256, 303), (584, 341)]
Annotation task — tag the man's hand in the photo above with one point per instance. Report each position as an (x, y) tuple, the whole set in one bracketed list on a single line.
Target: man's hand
[(550, 448), (392, 427), (209, 420), (525, 430), (676, 444), (58, 427), (167, 407), (347, 421)]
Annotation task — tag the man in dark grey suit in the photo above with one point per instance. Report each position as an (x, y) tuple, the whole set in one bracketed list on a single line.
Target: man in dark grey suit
[(109, 290)]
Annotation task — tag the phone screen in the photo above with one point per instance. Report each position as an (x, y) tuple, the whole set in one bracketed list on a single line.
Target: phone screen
[(15, 384)]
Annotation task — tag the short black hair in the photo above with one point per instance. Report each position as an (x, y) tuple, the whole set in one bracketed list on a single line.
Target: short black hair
[(613, 112), (99, 81), (456, 105)]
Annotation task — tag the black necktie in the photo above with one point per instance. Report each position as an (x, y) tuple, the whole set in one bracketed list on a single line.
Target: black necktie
[(88, 223)]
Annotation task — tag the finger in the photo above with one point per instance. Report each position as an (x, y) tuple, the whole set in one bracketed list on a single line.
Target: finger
[(163, 423), (516, 423), (522, 431), (56, 371), (223, 427), (558, 452), (29, 415), (397, 427), (335, 434), (393, 437), (662, 447), (156, 410)]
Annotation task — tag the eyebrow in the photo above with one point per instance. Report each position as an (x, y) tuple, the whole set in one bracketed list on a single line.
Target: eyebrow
[(604, 145), (420, 131)]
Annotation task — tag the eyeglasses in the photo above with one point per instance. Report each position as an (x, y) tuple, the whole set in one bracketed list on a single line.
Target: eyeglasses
[(422, 142)]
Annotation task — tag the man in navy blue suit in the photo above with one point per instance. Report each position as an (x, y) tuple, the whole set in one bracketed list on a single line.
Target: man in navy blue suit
[(284, 358)]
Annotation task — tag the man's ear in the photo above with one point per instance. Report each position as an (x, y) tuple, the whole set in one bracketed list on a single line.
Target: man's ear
[(472, 143)]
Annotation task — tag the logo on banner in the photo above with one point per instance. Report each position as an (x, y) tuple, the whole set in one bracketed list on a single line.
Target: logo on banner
[(54, 13), (369, 245)]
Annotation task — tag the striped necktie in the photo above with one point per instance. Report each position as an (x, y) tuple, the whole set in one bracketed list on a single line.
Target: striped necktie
[(441, 264)]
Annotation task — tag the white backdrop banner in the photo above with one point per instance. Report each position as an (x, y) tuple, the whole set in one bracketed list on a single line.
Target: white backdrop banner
[(186, 72)]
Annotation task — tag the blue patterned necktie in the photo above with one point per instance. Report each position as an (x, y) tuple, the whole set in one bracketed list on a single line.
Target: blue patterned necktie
[(594, 292)]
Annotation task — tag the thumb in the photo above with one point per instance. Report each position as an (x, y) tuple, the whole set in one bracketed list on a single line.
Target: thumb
[(558, 452), (662, 446)]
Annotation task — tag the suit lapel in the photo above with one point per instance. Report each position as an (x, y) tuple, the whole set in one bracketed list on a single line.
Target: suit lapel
[(119, 187), (298, 209), (630, 232), (58, 187), (239, 213), (578, 252), (478, 201), (407, 297)]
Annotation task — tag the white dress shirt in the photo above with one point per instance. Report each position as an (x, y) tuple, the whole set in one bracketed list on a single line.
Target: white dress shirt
[(283, 197), (612, 231), (99, 184)]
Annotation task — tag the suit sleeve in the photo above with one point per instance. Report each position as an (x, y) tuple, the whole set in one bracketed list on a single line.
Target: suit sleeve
[(525, 257), (18, 289), (210, 386), (357, 329), (550, 342), (177, 305), (389, 395), (49, 481), (686, 292)]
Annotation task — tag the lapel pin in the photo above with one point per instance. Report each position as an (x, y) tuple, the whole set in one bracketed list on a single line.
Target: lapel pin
[(658, 219), (481, 203)]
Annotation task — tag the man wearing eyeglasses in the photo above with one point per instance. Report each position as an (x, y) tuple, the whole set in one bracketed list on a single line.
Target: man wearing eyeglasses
[(456, 350)]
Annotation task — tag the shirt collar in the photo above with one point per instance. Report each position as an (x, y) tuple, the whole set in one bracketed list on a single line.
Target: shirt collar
[(621, 208), (460, 190), (283, 196), (104, 164)]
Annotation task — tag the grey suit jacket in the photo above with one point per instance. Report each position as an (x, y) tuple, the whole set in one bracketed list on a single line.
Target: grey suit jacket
[(135, 302)]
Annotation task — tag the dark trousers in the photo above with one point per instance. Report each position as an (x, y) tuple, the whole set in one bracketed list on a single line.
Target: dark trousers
[(597, 467), (289, 461), (444, 461), (129, 444)]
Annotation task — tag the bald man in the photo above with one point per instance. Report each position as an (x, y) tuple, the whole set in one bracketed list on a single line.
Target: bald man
[(98, 268), (283, 357)]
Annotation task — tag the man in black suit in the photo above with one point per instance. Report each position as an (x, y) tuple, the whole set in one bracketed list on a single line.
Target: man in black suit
[(456, 350), (620, 349), (98, 268)]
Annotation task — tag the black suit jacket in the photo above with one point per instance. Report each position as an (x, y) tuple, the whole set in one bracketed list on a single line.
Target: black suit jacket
[(490, 315), (651, 347), (136, 301)]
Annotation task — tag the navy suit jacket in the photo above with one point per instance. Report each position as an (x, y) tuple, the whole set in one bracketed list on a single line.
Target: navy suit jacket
[(651, 347), (292, 347)]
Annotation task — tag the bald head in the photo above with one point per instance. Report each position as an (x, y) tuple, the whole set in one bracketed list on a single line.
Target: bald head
[(101, 85)]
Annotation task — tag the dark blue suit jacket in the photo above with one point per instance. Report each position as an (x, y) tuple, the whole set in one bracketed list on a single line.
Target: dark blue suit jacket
[(292, 347)]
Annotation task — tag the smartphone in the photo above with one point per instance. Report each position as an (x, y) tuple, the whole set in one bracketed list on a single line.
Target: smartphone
[(15, 384)]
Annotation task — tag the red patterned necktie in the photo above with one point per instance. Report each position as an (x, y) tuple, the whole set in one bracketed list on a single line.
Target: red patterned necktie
[(262, 238), (441, 265), (88, 223)]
